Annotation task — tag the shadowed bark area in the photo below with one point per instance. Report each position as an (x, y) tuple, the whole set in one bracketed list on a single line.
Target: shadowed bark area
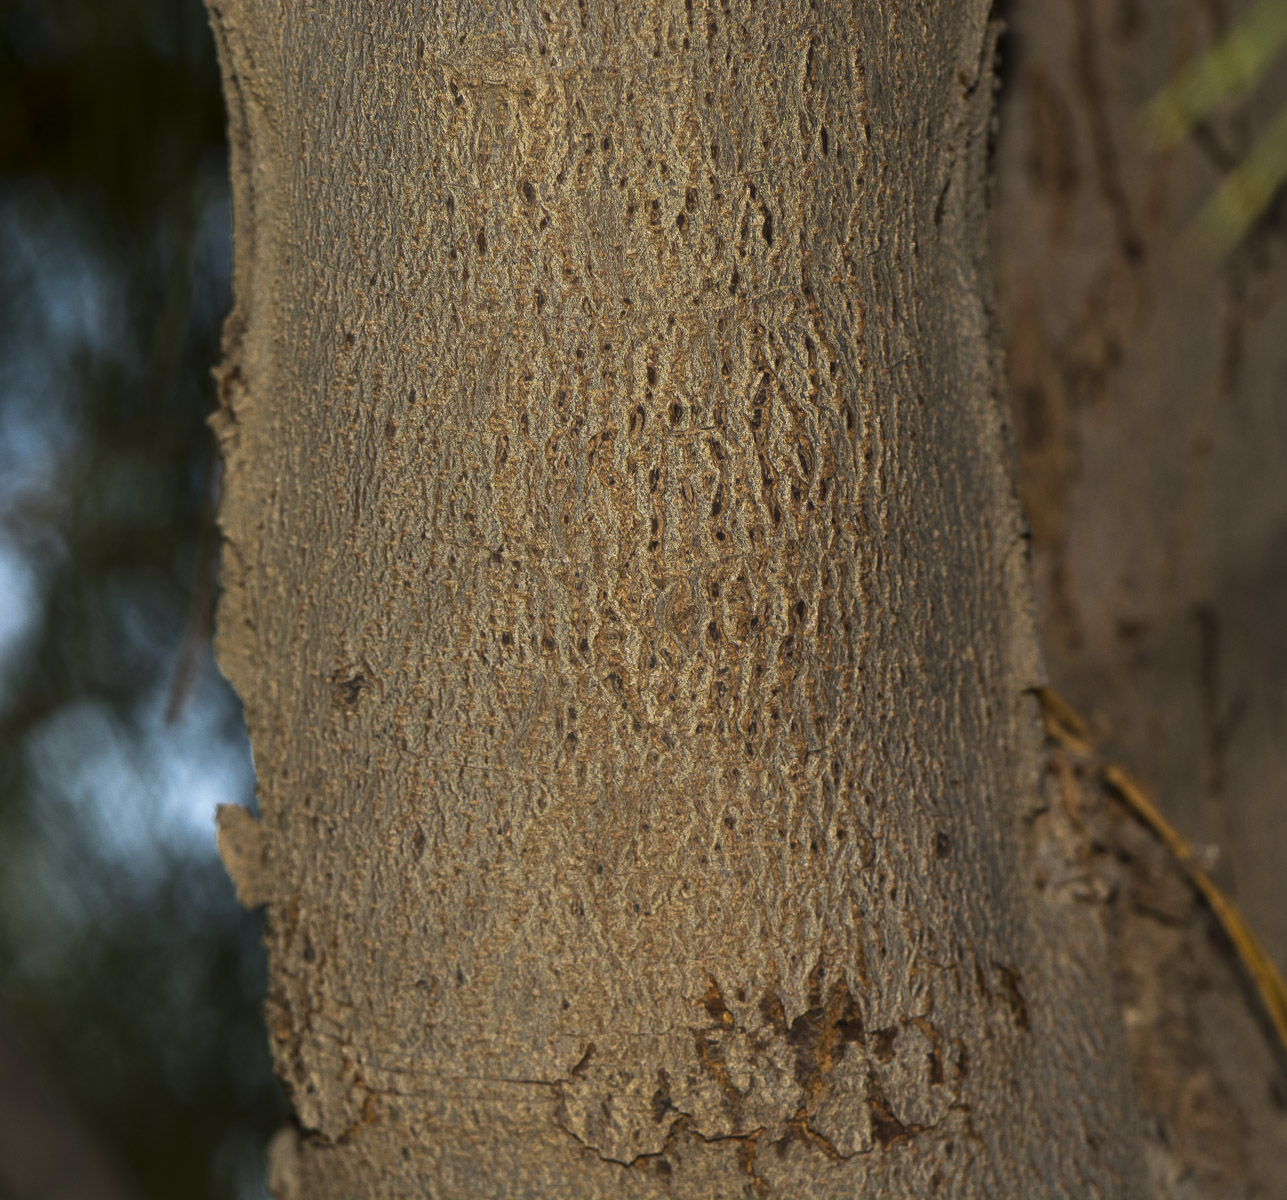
[(626, 588)]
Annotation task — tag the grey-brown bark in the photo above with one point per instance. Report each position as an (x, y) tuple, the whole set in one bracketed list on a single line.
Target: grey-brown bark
[(627, 592)]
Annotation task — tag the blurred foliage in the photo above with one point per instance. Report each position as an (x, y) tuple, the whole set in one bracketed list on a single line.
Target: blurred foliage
[(1225, 74), (122, 951), (122, 96)]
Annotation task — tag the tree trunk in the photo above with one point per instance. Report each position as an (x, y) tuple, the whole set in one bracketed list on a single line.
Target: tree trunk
[(627, 590), (1149, 381)]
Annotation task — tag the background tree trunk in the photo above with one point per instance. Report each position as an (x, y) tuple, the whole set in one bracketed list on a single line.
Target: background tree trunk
[(627, 592), (1149, 381)]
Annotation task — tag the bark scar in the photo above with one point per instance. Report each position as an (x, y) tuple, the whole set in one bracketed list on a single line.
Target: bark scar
[(244, 850)]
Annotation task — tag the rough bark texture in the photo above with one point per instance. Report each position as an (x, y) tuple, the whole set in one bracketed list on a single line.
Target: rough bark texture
[(627, 591), (1149, 384)]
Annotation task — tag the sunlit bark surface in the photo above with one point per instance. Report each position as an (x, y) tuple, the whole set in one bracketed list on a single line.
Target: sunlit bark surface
[(626, 588)]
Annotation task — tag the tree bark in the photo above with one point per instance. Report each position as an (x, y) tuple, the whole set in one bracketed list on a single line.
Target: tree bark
[(1148, 385), (627, 591)]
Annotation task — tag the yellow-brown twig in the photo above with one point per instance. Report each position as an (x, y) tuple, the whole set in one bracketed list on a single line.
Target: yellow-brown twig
[(1064, 726)]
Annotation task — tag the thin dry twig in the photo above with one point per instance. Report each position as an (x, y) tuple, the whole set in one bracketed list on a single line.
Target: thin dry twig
[(1065, 727)]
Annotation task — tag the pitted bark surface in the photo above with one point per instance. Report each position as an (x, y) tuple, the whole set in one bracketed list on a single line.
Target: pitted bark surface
[(626, 588)]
